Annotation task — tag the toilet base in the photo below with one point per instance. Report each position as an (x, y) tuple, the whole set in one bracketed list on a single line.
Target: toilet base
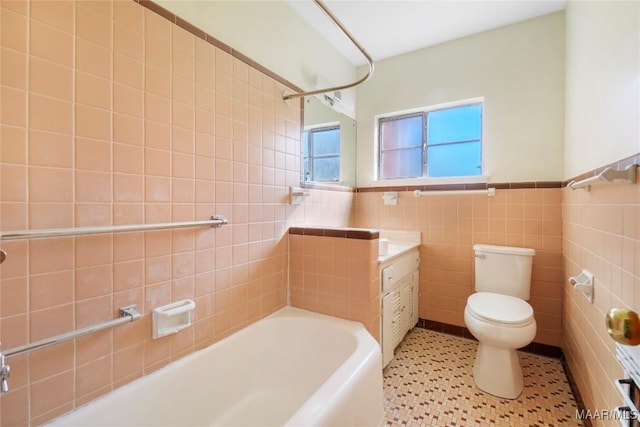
[(497, 371)]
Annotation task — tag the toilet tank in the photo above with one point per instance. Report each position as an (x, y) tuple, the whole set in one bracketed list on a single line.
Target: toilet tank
[(503, 270)]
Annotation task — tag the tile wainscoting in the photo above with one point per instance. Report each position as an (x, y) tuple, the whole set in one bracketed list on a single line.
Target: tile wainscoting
[(601, 233), (335, 271), (520, 214)]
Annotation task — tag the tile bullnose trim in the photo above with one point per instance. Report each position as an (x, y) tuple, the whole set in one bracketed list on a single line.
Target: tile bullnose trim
[(471, 186), (363, 234), (346, 233), (296, 230)]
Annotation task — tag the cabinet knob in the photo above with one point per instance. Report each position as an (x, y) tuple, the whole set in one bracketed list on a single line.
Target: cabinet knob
[(623, 325)]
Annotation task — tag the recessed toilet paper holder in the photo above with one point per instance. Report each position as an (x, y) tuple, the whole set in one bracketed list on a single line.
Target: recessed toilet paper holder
[(583, 283), (172, 318)]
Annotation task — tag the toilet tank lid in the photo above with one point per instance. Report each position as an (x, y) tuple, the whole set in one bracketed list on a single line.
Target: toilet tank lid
[(504, 250)]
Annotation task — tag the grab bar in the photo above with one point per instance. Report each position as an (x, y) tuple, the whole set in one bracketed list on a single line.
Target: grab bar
[(489, 192), (607, 175), (215, 221), (321, 5), (127, 314)]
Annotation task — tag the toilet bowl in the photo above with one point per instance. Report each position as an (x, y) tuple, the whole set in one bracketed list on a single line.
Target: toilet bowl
[(501, 324), (500, 318)]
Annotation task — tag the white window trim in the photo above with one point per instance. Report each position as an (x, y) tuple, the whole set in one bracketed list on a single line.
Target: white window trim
[(321, 125), (393, 182)]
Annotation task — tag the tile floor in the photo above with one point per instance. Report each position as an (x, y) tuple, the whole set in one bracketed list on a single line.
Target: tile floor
[(430, 383)]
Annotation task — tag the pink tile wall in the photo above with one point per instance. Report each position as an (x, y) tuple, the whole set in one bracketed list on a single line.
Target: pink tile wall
[(450, 225), (336, 276), (325, 208), (111, 114), (602, 235)]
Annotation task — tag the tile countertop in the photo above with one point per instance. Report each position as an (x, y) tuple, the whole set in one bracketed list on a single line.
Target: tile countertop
[(400, 242)]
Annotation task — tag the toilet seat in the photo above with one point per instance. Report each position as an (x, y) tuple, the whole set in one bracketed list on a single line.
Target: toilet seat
[(498, 309)]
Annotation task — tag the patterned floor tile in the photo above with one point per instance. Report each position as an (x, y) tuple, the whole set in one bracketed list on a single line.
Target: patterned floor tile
[(430, 383)]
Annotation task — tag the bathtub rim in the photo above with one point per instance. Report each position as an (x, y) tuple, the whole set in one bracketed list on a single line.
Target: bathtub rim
[(365, 343)]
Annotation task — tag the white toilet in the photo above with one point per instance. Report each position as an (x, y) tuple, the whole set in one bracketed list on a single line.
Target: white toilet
[(499, 317)]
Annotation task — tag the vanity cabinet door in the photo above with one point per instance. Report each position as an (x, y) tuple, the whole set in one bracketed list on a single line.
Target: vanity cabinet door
[(408, 302), (391, 335)]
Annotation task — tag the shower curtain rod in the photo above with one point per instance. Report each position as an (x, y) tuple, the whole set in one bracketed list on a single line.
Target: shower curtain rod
[(336, 21)]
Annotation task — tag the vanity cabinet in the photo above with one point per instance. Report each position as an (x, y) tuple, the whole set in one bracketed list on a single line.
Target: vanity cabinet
[(399, 299)]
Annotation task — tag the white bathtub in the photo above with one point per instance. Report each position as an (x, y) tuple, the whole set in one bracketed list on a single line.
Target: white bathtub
[(293, 368)]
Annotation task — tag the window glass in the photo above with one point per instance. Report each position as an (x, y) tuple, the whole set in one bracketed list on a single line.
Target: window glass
[(431, 143), (321, 154), (454, 124), (326, 169), (466, 154), (402, 163), (402, 132), (325, 141)]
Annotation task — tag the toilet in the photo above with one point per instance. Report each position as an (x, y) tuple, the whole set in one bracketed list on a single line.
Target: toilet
[(500, 318)]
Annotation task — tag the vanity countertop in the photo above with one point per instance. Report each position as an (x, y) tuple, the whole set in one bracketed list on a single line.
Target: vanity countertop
[(397, 249), (400, 242)]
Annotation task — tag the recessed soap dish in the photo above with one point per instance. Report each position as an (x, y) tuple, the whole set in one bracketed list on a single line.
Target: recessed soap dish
[(172, 318)]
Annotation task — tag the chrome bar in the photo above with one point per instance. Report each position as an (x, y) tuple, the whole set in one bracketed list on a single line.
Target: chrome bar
[(215, 221), (607, 175), (336, 21), (489, 192), (127, 314), (5, 371)]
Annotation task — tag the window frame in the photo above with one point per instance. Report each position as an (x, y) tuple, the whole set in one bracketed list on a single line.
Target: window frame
[(424, 111), (310, 157)]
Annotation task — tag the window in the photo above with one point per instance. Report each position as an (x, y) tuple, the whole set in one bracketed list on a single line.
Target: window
[(321, 154), (437, 143)]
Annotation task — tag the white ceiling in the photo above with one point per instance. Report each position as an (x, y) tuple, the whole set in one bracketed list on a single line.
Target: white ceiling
[(386, 28)]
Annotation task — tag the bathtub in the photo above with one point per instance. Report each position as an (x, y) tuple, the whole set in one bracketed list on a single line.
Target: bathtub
[(292, 368)]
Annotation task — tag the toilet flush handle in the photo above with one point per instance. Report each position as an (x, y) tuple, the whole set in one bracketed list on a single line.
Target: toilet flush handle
[(481, 256)]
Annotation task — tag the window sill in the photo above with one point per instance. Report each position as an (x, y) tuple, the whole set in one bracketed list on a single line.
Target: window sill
[(482, 179)]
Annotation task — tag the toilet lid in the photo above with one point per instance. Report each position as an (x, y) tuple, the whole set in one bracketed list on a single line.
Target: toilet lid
[(500, 308)]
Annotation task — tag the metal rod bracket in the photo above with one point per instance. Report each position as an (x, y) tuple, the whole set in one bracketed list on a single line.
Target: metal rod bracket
[(130, 311), (223, 221)]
